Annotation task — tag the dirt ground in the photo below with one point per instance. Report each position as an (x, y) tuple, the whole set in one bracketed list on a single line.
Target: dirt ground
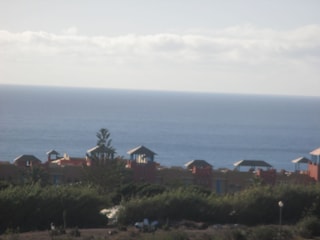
[(107, 234), (186, 230)]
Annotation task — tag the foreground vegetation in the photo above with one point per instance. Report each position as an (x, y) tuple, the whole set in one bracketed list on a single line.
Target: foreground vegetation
[(182, 212), (33, 207), (253, 206)]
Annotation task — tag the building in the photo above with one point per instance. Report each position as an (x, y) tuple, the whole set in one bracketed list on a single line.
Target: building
[(143, 168), (201, 171), (53, 155), (142, 164), (230, 181), (314, 165), (174, 176), (298, 162), (26, 161), (66, 160), (99, 155)]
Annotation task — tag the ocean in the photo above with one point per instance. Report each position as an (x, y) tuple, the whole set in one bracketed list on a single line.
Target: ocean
[(219, 128)]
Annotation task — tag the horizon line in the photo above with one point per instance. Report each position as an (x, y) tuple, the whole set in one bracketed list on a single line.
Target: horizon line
[(158, 90)]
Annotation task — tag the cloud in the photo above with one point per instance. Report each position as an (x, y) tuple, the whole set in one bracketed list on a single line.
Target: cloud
[(70, 31), (243, 44), (235, 59)]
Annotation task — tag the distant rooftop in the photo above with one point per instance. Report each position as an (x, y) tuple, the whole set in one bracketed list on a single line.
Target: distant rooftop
[(26, 158), (198, 164), (315, 152), (141, 150), (100, 149), (252, 163), (52, 152), (301, 160)]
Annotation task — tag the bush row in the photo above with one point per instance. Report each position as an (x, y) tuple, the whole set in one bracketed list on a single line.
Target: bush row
[(253, 206), (32, 207)]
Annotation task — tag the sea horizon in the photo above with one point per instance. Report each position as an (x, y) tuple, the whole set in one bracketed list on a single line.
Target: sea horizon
[(95, 88)]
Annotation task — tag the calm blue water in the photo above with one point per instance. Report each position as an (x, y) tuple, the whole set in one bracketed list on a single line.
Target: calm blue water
[(179, 127)]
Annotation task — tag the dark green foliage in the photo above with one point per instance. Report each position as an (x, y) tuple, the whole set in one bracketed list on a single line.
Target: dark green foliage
[(104, 138), (264, 233), (12, 234), (298, 201), (238, 234), (254, 206), (35, 175), (4, 185), (31, 207), (108, 178), (177, 235), (230, 234), (131, 190), (175, 204), (269, 232), (75, 232), (309, 227)]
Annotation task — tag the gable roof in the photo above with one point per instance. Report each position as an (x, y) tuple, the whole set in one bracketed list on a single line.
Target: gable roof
[(301, 160), (252, 163), (25, 158), (141, 150), (52, 152), (315, 152), (101, 149), (198, 164)]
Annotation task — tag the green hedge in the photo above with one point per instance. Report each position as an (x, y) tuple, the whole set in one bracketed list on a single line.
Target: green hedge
[(34, 208), (253, 206)]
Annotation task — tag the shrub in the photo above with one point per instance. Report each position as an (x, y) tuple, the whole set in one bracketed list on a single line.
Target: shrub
[(34, 208), (270, 232), (229, 234), (177, 235), (174, 205), (264, 233), (309, 227), (75, 232), (12, 234), (238, 234)]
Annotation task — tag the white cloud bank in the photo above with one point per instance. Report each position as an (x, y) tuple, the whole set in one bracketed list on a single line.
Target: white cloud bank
[(237, 59)]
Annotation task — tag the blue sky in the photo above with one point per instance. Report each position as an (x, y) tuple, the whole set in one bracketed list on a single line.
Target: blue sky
[(247, 46)]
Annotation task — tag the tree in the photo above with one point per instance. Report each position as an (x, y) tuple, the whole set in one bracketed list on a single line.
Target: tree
[(108, 178), (105, 172), (103, 151), (104, 137), (35, 175)]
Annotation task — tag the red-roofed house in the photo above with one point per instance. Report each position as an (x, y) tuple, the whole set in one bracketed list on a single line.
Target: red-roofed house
[(66, 160)]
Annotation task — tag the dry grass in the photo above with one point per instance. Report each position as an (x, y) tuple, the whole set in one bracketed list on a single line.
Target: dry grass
[(130, 233), (113, 234)]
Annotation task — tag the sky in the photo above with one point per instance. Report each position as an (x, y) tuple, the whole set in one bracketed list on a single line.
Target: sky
[(230, 46)]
